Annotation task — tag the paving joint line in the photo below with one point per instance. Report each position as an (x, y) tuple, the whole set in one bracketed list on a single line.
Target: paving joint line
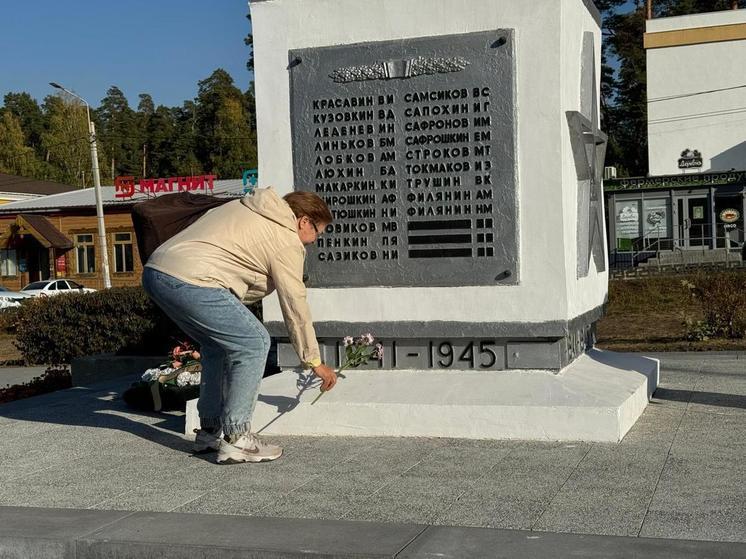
[(288, 493), (394, 480), (668, 454), (410, 542), (486, 473), (551, 500)]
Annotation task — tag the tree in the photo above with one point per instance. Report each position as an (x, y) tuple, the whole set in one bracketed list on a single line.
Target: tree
[(143, 117), (249, 42), (27, 111), (183, 158), (65, 140), (225, 143), (627, 110), (117, 127), (16, 158), (160, 141)]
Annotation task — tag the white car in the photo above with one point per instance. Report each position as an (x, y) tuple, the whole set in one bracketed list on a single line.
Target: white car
[(10, 298), (54, 287)]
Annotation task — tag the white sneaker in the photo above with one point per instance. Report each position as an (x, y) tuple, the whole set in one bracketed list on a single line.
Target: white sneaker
[(206, 442), (248, 448)]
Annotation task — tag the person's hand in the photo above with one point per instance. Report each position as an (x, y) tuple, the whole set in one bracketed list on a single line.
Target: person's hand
[(327, 375)]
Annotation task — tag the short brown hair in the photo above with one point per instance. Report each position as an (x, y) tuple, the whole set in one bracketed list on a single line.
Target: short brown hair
[(310, 205)]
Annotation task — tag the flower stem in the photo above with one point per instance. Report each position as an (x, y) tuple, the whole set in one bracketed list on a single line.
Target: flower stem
[(338, 373)]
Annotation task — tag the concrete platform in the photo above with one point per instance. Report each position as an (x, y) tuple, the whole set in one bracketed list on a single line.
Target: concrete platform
[(596, 398)]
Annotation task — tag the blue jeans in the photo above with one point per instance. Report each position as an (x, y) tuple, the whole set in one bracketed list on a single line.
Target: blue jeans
[(233, 344)]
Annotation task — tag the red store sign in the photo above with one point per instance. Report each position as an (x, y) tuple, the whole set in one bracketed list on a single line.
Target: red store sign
[(60, 265), (126, 187)]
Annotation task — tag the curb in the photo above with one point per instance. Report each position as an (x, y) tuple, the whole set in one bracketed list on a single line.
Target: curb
[(87, 534)]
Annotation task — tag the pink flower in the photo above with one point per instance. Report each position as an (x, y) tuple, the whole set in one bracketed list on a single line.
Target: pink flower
[(176, 364), (195, 355), (367, 339), (378, 352), (347, 341)]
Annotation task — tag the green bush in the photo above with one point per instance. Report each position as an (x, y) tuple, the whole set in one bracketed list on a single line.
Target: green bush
[(722, 298), (9, 319), (57, 329)]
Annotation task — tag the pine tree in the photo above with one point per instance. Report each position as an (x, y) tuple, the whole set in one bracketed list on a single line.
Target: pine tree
[(225, 144), (117, 128)]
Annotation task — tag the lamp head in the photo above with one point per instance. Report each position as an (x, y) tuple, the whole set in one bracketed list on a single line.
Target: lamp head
[(56, 85)]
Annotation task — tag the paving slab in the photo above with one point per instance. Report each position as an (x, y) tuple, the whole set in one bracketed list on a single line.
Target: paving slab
[(608, 493)]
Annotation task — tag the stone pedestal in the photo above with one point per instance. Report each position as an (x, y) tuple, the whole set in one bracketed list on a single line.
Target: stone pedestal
[(457, 146)]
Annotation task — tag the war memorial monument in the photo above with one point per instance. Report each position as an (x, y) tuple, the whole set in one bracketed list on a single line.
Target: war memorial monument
[(457, 144)]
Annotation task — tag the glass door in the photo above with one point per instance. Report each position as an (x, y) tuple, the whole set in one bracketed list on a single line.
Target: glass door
[(694, 222)]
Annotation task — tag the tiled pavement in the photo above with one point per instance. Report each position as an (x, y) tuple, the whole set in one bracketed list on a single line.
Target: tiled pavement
[(678, 474)]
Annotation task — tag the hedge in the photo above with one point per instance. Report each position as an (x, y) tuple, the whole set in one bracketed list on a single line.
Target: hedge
[(55, 330)]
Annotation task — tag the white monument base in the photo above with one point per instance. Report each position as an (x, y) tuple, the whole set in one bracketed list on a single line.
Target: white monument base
[(596, 398)]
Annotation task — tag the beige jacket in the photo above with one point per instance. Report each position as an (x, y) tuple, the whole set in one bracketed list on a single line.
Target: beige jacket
[(251, 247)]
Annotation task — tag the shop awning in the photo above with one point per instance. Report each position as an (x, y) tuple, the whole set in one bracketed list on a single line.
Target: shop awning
[(40, 228)]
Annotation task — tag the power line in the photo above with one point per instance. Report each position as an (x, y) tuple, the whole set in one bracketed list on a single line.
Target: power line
[(722, 112), (668, 98)]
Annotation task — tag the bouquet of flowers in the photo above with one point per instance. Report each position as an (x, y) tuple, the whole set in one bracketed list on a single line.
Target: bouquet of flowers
[(169, 385), (182, 367), (358, 351)]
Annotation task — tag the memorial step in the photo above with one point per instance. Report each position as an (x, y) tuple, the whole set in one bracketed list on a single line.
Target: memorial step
[(596, 398)]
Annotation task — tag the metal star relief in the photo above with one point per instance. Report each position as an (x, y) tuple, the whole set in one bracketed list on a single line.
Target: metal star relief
[(588, 148)]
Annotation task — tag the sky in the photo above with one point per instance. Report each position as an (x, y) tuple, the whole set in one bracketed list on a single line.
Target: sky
[(160, 47)]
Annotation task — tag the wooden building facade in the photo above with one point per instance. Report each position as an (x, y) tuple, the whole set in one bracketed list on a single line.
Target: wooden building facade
[(57, 237)]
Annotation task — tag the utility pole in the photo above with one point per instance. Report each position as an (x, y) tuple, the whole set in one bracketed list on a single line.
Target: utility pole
[(96, 187)]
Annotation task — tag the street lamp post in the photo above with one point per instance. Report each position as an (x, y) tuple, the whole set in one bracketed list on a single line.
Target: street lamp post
[(96, 186)]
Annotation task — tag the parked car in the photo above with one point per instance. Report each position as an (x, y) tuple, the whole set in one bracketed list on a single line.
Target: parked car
[(54, 287), (10, 298)]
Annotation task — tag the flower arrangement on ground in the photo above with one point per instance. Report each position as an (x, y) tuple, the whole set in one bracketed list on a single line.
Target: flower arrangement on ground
[(171, 384), (358, 351), (181, 368)]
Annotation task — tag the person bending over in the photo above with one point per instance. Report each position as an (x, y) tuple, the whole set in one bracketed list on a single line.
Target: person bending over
[(242, 250)]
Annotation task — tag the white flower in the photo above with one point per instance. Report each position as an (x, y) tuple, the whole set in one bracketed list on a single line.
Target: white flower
[(186, 378), (348, 341), (153, 374), (367, 339)]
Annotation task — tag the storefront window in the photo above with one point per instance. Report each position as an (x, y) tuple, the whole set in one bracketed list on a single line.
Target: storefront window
[(656, 223), (8, 262), (86, 254), (123, 261), (627, 223), (729, 228)]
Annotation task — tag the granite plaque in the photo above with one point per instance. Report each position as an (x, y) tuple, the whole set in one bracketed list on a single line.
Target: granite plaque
[(412, 145)]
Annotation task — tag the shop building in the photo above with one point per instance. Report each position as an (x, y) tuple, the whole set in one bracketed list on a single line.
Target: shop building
[(671, 215), (57, 235), (691, 204)]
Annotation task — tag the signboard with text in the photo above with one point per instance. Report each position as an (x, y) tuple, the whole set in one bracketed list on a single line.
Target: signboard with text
[(411, 143), (126, 187)]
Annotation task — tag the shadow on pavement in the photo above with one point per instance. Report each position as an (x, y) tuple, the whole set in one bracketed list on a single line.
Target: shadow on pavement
[(705, 398), (101, 408)]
